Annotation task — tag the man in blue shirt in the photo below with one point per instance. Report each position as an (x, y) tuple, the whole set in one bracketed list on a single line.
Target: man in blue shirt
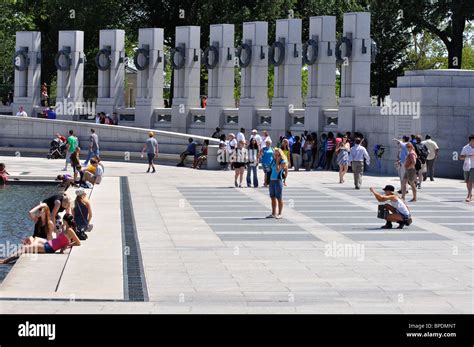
[(190, 150)]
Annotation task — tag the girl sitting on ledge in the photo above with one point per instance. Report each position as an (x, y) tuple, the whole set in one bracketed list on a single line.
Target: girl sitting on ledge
[(66, 239), (3, 174)]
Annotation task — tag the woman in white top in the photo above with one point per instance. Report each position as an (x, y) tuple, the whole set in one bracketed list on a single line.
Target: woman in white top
[(239, 161), (397, 209)]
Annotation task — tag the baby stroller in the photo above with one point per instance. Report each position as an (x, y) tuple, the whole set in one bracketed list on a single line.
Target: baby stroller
[(57, 150)]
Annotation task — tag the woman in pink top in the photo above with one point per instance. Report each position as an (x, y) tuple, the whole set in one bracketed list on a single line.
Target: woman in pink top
[(67, 238), (410, 172)]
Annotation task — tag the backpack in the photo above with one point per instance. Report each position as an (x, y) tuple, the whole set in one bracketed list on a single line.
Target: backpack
[(281, 174), (422, 152)]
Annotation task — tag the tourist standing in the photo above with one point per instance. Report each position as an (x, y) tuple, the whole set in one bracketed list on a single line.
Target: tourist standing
[(265, 138), (314, 151), (75, 162), (253, 151), (322, 151), (266, 157), (44, 95), (433, 150), (21, 112), (410, 172), (71, 145), (296, 153), (278, 166), (401, 158), (467, 154), (239, 162), (222, 152), (422, 153), (342, 150), (308, 152), (330, 149), (257, 138), (357, 156), (231, 146), (151, 149), (93, 147), (241, 135)]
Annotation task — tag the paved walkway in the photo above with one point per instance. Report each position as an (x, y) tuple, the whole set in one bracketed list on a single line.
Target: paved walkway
[(207, 248)]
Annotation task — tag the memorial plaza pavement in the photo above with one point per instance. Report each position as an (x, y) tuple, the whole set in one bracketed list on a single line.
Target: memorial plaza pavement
[(206, 246)]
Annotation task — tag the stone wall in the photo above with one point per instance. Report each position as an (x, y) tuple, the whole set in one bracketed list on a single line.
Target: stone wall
[(38, 133)]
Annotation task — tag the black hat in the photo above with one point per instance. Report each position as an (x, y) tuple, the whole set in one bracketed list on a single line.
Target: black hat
[(389, 188)]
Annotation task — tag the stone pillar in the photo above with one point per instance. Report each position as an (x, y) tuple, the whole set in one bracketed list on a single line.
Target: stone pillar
[(149, 60), (27, 63), (321, 73), (254, 76), (221, 76), (287, 73), (186, 61), (110, 62), (355, 67), (70, 80)]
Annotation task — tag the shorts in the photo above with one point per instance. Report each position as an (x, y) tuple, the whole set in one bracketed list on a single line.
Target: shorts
[(48, 248), (239, 165), (469, 176), (150, 156), (276, 189), (410, 175)]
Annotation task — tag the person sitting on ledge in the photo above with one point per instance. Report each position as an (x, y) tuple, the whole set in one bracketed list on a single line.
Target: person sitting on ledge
[(65, 239), (201, 157), (58, 203), (94, 175), (3, 174), (397, 209), (41, 216), (82, 211), (190, 150)]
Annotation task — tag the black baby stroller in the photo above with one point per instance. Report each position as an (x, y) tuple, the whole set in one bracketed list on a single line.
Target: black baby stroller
[(57, 150)]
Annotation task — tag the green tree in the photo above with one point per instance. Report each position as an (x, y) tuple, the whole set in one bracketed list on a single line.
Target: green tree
[(12, 19), (444, 18)]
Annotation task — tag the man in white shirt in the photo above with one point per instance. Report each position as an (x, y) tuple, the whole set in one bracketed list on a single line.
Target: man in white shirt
[(467, 154), (356, 157), (21, 112), (257, 138), (432, 155), (241, 135)]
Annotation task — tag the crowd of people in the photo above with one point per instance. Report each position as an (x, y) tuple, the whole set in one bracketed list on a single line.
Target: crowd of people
[(332, 152), (91, 170), (59, 221)]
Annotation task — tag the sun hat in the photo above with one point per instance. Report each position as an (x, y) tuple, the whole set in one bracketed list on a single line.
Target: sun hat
[(80, 191)]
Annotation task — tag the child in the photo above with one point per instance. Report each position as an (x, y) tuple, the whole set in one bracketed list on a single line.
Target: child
[(3, 174)]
